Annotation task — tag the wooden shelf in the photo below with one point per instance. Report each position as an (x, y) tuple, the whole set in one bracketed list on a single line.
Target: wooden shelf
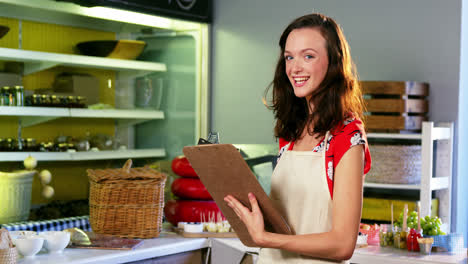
[(85, 155), (30, 115)]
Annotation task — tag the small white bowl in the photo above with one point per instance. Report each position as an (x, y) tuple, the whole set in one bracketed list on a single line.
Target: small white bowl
[(28, 246), (55, 241), (22, 233), (193, 227)]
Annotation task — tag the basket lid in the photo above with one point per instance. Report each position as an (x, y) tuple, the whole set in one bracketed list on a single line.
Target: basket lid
[(125, 173)]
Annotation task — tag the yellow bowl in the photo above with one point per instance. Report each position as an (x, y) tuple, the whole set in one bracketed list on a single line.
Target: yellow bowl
[(117, 49)]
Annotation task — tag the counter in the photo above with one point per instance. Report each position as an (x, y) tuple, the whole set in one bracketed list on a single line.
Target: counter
[(390, 255), (165, 244), (226, 251)]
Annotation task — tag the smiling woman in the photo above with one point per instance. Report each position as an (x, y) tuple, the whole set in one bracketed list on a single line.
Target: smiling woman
[(317, 182)]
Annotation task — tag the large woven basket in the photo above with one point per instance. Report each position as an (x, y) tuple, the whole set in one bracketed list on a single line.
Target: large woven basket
[(395, 164), (126, 202)]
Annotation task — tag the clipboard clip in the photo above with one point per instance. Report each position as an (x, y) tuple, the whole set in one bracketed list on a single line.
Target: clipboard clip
[(213, 138)]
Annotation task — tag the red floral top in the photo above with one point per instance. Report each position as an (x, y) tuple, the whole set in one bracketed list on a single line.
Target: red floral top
[(340, 140)]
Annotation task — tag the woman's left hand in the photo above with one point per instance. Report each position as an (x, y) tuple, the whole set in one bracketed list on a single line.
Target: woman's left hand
[(253, 220)]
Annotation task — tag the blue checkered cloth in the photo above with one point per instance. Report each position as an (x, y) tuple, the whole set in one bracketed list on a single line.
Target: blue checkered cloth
[(81, 222), (452, 242)]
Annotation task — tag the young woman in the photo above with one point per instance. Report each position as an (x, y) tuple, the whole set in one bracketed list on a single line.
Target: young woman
[(317, 183)]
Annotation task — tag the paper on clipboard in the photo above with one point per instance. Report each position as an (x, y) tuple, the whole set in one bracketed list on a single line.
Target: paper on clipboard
[(223, 171)]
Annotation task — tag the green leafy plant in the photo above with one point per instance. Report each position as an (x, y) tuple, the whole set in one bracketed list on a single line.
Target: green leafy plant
[(430, 224)]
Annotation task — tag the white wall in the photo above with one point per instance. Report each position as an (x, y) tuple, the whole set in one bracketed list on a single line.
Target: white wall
[(390, 40)]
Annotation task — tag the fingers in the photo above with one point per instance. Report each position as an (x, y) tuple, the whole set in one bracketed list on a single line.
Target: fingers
[(238, 207), (254, 203)]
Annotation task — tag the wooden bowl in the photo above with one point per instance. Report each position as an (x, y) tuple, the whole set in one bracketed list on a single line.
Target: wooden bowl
[(3, 31), (117, 49)]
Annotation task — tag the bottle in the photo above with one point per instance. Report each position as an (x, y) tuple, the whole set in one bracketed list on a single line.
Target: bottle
[(412, 240), (19, 94), (10, 92), (2, 97), (6, 95)]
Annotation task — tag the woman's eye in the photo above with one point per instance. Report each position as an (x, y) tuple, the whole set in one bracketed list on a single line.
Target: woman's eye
[(309, 56), (288, 57)]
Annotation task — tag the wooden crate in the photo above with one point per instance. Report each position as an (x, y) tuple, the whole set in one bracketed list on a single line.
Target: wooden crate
[(376, 105), (380, 209), (392, 122), (400, 88), (395, 106)]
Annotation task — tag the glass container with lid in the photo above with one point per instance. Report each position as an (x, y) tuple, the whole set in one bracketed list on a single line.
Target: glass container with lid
[(386, 235)]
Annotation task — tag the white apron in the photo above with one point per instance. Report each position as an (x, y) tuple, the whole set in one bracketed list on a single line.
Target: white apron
[(300, 191)]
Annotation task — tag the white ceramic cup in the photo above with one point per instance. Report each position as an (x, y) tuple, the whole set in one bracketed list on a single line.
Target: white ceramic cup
[(55, 241), (28, 246)]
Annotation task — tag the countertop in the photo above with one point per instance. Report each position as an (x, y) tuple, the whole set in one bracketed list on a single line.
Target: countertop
[(390, 255), (165, 244), (225, 250)]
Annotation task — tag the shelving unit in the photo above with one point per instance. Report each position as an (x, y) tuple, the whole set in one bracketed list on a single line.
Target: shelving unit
[(85, 155), (30, 116), (433, 178), (35, 61)]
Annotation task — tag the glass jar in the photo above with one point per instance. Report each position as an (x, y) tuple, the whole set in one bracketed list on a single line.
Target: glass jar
[(36, 100), (72, 101), (63, 101), (62, 147), (399, 237), (9, 144), (30, 144), (386, 235), (81, 102), (54, 101), (7, 96), (19, 95), (45, 100)]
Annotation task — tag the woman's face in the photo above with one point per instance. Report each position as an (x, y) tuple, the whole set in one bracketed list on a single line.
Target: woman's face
[(306, 60)]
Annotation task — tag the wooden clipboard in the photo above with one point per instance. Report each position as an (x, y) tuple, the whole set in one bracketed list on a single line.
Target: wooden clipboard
[(223, 171)]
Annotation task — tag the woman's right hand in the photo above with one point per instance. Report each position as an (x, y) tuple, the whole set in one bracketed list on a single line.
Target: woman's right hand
[(253, 220)]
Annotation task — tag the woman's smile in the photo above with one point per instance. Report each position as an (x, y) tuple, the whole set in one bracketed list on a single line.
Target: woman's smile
[(300, 81)]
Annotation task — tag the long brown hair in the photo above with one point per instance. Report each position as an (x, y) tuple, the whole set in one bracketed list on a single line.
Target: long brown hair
[(337, 97)]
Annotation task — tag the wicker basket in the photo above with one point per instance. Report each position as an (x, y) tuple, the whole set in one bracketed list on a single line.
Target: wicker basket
[(9, 255), (395, 164), (126, 202)]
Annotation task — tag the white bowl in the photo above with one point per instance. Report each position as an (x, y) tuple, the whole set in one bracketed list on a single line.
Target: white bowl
[(22, 233), (28, 246), (55, 241)]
